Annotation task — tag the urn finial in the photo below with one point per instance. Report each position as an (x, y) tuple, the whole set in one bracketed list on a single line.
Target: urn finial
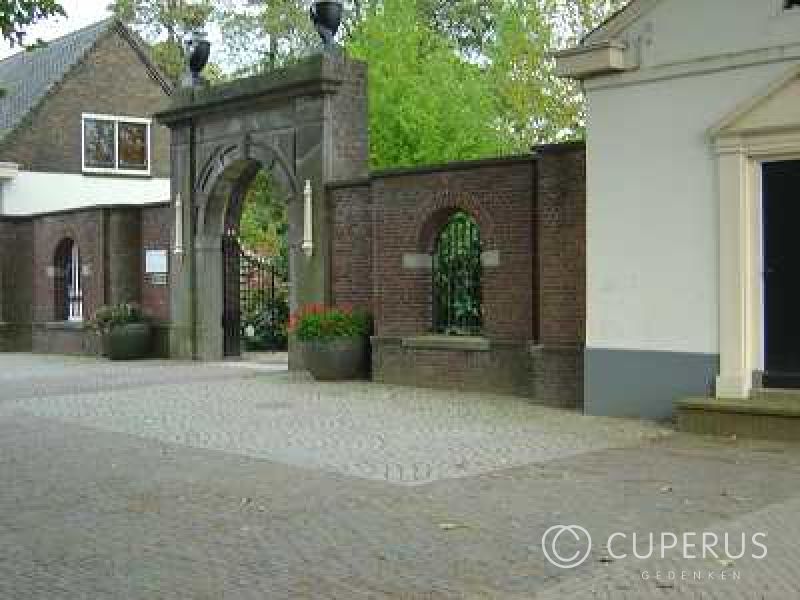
[(327, 17), (198, 51)]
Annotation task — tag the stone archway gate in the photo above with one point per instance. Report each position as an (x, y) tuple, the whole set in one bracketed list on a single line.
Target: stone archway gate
[(307, 124)]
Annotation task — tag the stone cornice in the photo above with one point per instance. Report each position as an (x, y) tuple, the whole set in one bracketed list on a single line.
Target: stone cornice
[(317, 75)]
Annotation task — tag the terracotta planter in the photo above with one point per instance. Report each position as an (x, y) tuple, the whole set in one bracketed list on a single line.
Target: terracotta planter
[(128, 342), (339, 359)]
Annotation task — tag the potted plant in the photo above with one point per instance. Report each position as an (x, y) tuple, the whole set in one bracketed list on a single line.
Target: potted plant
[(335, 341), (124, 330)]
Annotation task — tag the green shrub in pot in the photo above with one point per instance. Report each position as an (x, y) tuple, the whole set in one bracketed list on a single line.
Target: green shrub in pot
[(334, 340), (125, 332)]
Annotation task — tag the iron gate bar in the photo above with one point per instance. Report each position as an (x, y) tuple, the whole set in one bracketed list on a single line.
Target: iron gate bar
[(249, 290), (457, 277)]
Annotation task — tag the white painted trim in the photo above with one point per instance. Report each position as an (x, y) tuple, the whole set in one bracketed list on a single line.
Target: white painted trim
[(117, 120), (621, 21), (590, 61), (8, 170), (33, 193), (701, 66), (741, 291), (751, 104)]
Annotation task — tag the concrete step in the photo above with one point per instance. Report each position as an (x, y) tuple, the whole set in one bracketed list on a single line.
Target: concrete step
[(768, 414), (791, 397)]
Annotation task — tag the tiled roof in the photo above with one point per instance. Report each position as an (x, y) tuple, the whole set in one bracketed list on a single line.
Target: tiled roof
[(27, 77)]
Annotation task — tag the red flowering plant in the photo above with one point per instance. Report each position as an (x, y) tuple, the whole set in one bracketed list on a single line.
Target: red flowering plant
[(318, 322)]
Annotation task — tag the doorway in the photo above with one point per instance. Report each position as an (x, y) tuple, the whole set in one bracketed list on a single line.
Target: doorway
[(255, 263), (781, 210)]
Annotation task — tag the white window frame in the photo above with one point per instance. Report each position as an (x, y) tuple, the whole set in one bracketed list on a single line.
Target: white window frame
[(74, 307), (117, 120)]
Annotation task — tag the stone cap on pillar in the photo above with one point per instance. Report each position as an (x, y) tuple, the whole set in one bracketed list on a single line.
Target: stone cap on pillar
[(316, 75)]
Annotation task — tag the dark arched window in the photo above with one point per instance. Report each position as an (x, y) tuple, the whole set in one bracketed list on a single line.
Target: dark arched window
[(457, 277), (68, 301)]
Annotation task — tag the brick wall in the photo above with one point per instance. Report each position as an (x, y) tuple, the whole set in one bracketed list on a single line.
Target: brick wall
[(155, 235), (112, 243), (351, 256), (16, 289), (531, 213), (561, 253), (111, 80)]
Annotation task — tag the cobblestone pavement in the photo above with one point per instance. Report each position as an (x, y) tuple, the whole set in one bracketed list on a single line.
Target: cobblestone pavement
[(161, 480)]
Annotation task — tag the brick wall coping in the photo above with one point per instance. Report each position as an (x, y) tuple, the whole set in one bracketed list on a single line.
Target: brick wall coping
[(448, 342), (465, 165), (559, 148), (63, 325), (404, 341)]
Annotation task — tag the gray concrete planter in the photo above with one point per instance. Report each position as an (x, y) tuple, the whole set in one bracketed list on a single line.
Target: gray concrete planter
[(128, 342), (339, 359)]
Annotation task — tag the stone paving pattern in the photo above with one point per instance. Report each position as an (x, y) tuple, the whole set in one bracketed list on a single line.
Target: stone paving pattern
[(91, 507)]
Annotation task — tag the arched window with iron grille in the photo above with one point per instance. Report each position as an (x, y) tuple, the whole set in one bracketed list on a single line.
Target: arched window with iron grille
[(68, 300), (457, 277)]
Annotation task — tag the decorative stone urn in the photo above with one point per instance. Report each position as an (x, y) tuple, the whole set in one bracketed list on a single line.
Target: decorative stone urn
[(340, 359), (327, 17), (198, 51)]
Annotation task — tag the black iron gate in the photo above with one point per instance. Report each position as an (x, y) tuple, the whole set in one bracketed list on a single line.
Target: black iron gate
[(457, 277), (253, 296)]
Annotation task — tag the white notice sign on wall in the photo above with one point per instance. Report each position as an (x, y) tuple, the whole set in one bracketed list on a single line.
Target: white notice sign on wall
[(155, 262)]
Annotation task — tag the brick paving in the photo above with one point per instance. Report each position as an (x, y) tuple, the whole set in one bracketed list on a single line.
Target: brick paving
[(91, 508)]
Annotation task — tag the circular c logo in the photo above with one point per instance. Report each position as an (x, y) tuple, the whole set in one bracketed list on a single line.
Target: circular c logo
[(550, 545)]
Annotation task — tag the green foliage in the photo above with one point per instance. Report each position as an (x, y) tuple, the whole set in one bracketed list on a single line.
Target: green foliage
[(317, 322), (457, 277), (17, 15), (427, 104), (449, 79), (268, 326), (165, 23), (534, 105), (264, 223), (108, 317), (175, 18), (269, 34)]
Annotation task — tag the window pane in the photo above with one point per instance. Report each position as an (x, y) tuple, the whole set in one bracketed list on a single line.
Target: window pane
[(133, 146), (100, 149)]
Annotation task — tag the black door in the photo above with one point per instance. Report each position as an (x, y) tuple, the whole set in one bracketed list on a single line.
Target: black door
[(782, 273)]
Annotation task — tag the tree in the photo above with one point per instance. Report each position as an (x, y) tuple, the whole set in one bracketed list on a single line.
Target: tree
[(427, 104), (165, 23), (535, 105), (264, 223), (470, 23), (16, 16)]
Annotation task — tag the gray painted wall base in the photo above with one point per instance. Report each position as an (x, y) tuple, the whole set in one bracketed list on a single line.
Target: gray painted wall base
[(638, 383)]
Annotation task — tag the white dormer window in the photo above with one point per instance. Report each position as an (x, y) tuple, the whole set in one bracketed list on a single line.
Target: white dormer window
[(116, 145)]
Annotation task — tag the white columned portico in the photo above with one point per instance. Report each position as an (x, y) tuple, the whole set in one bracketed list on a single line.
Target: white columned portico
[(734, 380), (765, 129)]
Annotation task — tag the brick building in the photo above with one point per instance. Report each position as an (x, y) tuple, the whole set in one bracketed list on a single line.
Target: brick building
[(84, 187)]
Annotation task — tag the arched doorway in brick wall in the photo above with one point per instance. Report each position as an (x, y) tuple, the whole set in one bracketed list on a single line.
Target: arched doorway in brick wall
[(255, 281), (218, 252)]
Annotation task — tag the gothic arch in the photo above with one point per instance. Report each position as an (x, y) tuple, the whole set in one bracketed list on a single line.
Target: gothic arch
[(226, 175)]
